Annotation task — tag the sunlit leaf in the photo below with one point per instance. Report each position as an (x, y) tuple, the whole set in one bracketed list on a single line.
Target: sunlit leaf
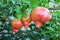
[(51, 29)]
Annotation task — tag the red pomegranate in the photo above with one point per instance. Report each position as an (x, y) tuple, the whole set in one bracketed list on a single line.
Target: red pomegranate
[(16, 25), (40, 15), (26, 21)]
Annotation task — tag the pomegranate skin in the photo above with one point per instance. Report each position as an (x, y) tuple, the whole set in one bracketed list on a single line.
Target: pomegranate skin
[(26, 24), (16, 25), (40, 14)]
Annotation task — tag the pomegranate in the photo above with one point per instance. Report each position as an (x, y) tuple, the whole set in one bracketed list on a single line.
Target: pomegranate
[(26, 21), (16, 25), (40, 15)]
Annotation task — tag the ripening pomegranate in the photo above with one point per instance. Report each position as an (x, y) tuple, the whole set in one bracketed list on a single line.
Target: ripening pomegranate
[(26, 21), (16, 25), (40, 15)]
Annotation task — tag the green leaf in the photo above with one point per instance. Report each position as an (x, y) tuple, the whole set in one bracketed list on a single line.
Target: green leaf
[(59, 28), (17, 9), (25, 15), (26, 1), (45, 32), (57, 0), (13, 1), (24, 7), (47, 5), (18, 15), (34, 3), (51, 29)]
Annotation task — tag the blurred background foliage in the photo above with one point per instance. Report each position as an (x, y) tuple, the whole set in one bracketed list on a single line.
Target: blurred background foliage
[(49, 31)]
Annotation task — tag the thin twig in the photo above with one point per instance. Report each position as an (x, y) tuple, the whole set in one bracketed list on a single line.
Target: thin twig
[(54, 8)]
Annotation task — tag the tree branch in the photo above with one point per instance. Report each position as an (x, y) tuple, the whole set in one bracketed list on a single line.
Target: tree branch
[(54, 8)]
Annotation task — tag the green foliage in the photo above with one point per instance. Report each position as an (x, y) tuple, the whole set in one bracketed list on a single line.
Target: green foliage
[(18, 16), (10, 9), (57, 0), (25, 15)]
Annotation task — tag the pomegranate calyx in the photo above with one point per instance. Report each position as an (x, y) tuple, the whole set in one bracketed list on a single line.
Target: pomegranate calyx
[(26, 24), (14, 30), (38, 24)]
